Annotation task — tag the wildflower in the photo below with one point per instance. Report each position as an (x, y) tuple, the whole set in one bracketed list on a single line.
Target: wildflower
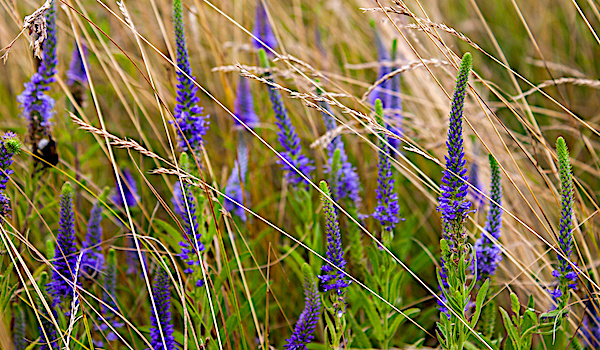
[(395, 103), (387, 210), (332, 278), (18, 330), (109, 297), (48, 337), (307, 322), (77, 79), (262, 29), (591, 325), (477, 189), (487, 252), (130, 195), (453, 203), (9, 146), (287, 136), (35, 104), (381, 92), (345, 182), (191, 124), (60, 286), (235, 182), (184, 203), (93, 260), (244, 106), (567, 277), (161, 331)]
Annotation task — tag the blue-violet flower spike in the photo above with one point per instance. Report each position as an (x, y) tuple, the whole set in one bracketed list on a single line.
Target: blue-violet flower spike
[(191, 124), (488, 253), (567, 277), (307, 322), (65, 257), (287, 136), (161, 330)]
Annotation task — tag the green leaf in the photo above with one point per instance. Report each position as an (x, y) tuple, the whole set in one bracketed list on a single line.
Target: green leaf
[(479, 302), (373, 316), (510, 328)]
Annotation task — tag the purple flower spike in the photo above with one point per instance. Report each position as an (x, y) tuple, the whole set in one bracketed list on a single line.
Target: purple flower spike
[(330, 277), (65, 257), (287, 136), (161, 331), (567, 277), (244, 105), (453, 203), (130, 191), (387, 210), (191, 124), (9, 146), (307, 322), (236, 180), (37, 107), (77, 73), (184, 203), (262, 29), (488, 253), (345, 184), (93, 261)]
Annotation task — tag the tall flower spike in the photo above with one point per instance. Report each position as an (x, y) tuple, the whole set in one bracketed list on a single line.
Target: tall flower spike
[(184, 203), (567, 277), (307, 322), (130, 191), (191, 124), (9, 146), (591, 325), (65, 257), (93, 260), (332, 278), (109, 296), (237, 180), (262, 29), (37, 107), (453, 203), (287, 135), (387, 210), (244, 105), (344, 180), (77, 79), (488, 253), (381, 92), (395, 102), (161, 331), (48, 337)]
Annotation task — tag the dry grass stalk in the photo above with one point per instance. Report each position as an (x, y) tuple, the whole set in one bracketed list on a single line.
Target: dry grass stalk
[(592, 83), (410, 66)]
